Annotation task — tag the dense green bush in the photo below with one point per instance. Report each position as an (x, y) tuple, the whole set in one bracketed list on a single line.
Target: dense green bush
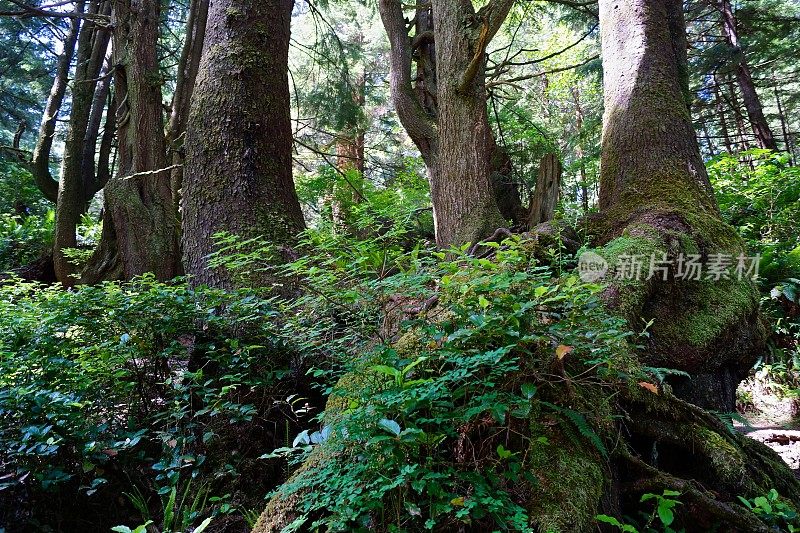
[(26, 219), (138, 387), (759, 194), (430, 428)]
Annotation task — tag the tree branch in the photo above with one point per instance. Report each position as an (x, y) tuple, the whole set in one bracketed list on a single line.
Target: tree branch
[(492, 16)]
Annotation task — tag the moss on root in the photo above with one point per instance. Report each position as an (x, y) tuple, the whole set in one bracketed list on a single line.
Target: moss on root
[(571, 481)]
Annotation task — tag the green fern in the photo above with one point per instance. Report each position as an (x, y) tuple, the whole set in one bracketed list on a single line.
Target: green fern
[(662, 373), (579, 421)]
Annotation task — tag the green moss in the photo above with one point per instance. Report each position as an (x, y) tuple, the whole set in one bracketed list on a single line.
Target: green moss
[(726, 459), (636, 245), (571, 482), (709, 308)]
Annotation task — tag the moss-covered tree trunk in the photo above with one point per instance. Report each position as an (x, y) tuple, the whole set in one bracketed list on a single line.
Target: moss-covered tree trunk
[(238, 173), (657, 202), (140, 226)]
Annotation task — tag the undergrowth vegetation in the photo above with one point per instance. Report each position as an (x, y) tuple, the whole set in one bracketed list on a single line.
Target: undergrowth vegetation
[(139, 388), (759, 194), (428, 430), (454, 382)]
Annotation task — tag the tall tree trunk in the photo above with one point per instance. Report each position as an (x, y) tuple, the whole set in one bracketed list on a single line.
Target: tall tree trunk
[(40, 164), (350, 141), (451, 128), (140, 224), (787, 139), (657, 202), (579, 154), (545, 194), (350, 157), (238, 174), (88, 99), (188, 67), (719, 106), (94, 169), (752, 102)]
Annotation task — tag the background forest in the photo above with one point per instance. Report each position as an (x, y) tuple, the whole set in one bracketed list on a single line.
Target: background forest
[(290, 265)]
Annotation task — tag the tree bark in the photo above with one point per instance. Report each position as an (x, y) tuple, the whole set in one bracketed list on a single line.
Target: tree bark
[(579, 154), (657, 201), (445, 112), (752, 102), (719, 106), (88, 102), (546, 192), (238, 174), (140, 224), (787, 139)]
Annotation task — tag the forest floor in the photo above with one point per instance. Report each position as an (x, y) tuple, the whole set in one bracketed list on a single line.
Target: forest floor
[(771, 415)]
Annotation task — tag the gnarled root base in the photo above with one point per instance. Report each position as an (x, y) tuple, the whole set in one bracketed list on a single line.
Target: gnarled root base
[(662, 443)]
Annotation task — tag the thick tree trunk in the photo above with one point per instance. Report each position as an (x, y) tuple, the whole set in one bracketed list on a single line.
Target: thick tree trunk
[(40, 164), (445, 113), (188, 68), (647, 131), (545, 194), (752, 102), (139, 216), (88, 102), (657, 202), (464, 206), (238, 174)]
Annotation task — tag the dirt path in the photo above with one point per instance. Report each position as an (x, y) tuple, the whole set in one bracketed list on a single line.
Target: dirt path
[(772, 418)]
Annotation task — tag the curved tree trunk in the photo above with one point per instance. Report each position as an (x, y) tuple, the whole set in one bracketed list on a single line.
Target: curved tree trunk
[(88, 103), (238, 174), (40, 163), (657, 203), (140, 225), (444, 111)]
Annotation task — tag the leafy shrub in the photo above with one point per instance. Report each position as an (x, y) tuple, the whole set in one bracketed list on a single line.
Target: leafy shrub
[(143, 384), (25, 239), (429, 429), (774, 511), (662, 514), (759, 194), (762, 202)]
